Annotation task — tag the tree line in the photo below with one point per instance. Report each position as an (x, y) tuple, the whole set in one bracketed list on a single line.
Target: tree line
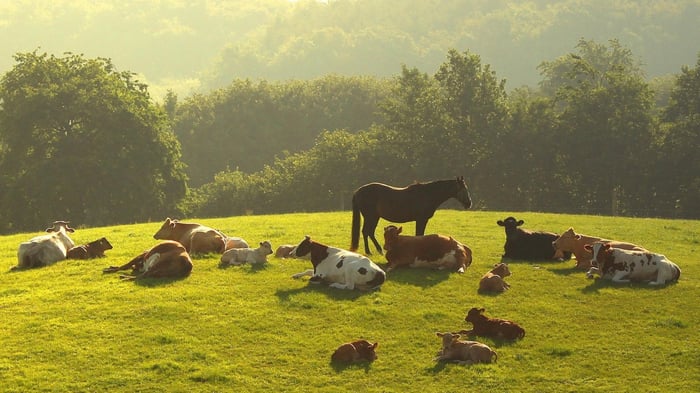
[(80, 140)]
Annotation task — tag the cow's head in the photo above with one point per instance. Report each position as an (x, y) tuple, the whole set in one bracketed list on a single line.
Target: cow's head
[(165, 229), (510, 225), (367, 275), (302, 248), (599, 250), (102, 243), (391, 234), (501, 269), (60, 225), (447, 339), (475, 315), (266, 247), (566, 240), (366, 350)]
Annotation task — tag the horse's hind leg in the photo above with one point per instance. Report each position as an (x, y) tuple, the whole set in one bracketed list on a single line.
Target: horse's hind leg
[(368, 228)]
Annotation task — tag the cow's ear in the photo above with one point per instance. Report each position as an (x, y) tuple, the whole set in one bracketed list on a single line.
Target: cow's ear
[(439, 334), (400, 230), (577, 237), (455, 337), (500, 223), (481, 310), (520, 222), (588, 247), (307, 237), (375, 345)]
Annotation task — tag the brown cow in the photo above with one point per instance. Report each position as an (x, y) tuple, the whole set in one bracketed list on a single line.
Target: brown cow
[(356, 351), (167, 259), (576, 243), (94, 249), (493, 281), (197, 238), (464, 352), (432, 251), (492, 327)]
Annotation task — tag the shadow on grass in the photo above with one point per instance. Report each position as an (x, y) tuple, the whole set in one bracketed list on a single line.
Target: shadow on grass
[(250, 268), (599, 283), (156, 282), (340, 367), (285, 295), (567, 271), (418, 277)]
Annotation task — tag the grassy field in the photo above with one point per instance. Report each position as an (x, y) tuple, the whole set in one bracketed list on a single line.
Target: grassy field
[(69, 327)]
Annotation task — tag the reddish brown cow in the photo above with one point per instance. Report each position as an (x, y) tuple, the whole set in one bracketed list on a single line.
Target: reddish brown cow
[(574, 242), (94, 249), (493, 281), (356, 351), (492, 327), (197, 238), (167, 259), (432, 251)]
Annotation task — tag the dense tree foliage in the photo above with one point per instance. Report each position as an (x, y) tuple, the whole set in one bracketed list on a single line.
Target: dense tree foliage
[(82, 142)]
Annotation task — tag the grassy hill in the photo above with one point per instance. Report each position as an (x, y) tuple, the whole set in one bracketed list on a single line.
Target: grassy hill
[(69, 327)]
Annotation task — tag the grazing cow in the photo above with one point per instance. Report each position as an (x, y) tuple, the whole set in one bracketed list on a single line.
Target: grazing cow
[(235, 242), (529, 245), (197, 238), (432, 251), (239, 256), (356, 351), (45, 249), (493, 281), (573, 242), (464, 352), (94, 249), (492, 327), (341, 269), (167, 259), (284, 251), (623, 266)]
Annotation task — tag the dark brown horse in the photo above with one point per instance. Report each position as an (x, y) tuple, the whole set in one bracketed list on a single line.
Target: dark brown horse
[(416, 202)]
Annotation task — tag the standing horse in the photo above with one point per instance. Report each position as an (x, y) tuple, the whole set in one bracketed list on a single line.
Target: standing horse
[(416, 202)]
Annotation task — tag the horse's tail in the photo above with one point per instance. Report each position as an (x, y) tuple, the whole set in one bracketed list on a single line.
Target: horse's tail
[(355, 232)]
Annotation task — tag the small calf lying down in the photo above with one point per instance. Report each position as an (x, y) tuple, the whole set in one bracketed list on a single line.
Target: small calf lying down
[(239, 256), (235, 242), (94, 249), (493, 281), (464, 352), (492, 327), (284, 251), (356, 351)]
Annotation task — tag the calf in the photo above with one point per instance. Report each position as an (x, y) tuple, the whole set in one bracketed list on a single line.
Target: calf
[(492, 327), (167, 259), (195, 237), (356, 351), (45, 249), (284, 251), (623, 266), (464, 352), (432, 251), (94, 249), (493, 281), (239, 256), (235, 242), (339, 268), (529, 245), (571, 241)]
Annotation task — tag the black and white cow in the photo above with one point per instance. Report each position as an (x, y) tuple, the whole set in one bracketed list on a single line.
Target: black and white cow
[(339, 268), (529, 245), (623, 266)]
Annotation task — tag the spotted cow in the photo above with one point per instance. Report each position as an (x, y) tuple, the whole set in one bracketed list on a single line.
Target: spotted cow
[(576, 242), (623, 266)]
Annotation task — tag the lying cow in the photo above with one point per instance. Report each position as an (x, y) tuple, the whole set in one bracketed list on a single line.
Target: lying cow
[(45, 249), (167, 259), (339, 268), (493, 281), (492, 327), (235, 242), (94, 249), (254, 256), (284, 251), (464, 352), (431, 251), (623, 266), (356, 351), (197, 238), (522, 244), (571, 241)]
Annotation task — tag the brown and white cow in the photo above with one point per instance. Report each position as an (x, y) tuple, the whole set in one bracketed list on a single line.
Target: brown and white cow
[(464, 352), (494, 280), (94, 249), (624, 266), (339, 268), (197, 238), (45, 249), (167, 259), (356, 351), (576, 243), (431, 251)]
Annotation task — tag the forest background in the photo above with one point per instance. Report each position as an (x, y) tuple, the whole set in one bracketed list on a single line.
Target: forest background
[(231, 108)]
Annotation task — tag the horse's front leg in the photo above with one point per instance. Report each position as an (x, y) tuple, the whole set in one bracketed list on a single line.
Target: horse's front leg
[(421, 223)]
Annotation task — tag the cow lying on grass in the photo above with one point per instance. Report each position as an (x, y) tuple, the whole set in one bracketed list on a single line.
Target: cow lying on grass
[(431, 251), (523, 244), (624, 266), (354, 352), (464, 352), (94, 249), (492, 327), (197, 238), (167, 259), (493, 281), (570, 241), (254, 256), (45, 249)]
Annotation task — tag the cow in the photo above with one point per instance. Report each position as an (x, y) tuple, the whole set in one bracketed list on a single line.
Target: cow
[(94, 249), (197, 238), (354, 352), (431, 251), (574, 242), (624, 266), (524, 244), (235, 242), (339, 268), (492, 327), (254, 256), (45, 249), (464, 352), (284, 251), (167, 259), (493, 281)]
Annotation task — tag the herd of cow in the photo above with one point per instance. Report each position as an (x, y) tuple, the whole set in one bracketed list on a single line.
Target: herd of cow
[(618, 261)]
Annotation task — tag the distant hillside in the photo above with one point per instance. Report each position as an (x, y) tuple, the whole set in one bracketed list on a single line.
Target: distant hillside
[(199, 45)]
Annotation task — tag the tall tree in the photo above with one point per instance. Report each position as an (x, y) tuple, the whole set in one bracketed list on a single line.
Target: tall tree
[(83, 142)]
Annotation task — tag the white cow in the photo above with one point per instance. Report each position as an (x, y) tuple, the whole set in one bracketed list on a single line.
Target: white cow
[(339, 268), (45, 249), (239, 256), (623, 266)]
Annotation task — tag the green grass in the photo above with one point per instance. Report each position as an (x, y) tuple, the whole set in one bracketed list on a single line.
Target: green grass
[(69, 327)]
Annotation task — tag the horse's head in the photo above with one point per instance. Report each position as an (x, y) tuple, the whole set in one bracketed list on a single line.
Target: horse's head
[(462, 194)]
